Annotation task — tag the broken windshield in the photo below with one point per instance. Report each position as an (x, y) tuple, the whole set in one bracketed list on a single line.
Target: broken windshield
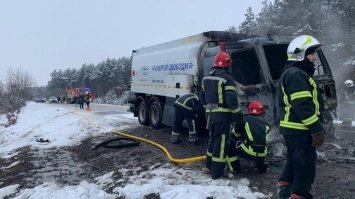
[(276, 57), (246, 67)]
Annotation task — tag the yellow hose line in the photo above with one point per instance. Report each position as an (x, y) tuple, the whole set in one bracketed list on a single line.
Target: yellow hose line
[(171, 159)]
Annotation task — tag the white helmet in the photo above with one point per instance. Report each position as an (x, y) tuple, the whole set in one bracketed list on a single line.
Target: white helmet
[(349, 83), (297, 48)]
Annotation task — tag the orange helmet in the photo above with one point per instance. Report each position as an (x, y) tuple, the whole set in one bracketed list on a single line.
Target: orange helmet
[(256, 108), (222, 60)]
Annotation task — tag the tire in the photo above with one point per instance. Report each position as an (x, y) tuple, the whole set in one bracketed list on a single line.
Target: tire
[(143, 117), (156, 114)]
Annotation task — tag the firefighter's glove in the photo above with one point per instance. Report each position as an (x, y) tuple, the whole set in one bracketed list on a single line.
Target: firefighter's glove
[(318, 139)]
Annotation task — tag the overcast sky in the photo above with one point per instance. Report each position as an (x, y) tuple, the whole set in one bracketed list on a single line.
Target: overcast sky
[(39, 36)]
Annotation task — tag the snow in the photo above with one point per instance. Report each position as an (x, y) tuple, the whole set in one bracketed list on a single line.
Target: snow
[(350, 61), (60, 125), (182, 183), (5, 191), (338, 122), (10, 155), (336, 46), (51, 190), (66, 125), (44, 121), (11, 165), (3, 120)]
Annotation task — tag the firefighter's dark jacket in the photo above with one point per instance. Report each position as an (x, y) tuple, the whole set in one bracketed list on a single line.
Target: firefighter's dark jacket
[(301, 103), (220, 97), (254, 136), (190, 102)]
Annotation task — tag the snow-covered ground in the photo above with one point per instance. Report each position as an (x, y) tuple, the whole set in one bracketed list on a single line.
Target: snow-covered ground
[(66, 125)]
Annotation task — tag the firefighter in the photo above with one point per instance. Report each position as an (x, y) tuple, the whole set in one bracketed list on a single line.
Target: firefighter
[(88, 100), (222, 109), (250, 143), (301, 108), (349, 90), (81, 100), (187, 107)]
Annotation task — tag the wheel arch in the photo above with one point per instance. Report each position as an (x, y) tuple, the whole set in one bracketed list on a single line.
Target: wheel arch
[(157, 98)]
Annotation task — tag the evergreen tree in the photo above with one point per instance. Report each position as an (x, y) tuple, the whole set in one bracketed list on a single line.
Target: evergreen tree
[(102, 77), (247, 27), (331, 21), (232, 29)]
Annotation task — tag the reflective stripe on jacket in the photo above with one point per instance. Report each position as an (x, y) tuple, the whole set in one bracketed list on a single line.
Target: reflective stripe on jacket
[(189, 101), (254, 136), (220, 97), (300, 102)]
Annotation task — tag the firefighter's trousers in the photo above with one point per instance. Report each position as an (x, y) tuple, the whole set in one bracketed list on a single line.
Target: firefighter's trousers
[(259, 162), (300, 166), (218, 148), (181, 114)]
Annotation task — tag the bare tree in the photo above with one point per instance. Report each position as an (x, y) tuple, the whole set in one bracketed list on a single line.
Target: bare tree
[(16, 91), (2, 89), (18, 82)]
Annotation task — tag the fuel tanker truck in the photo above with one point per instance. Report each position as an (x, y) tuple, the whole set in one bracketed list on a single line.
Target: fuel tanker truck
[(163, 72)]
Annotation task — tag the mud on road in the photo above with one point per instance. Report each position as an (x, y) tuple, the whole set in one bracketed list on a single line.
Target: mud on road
[(71, 165)]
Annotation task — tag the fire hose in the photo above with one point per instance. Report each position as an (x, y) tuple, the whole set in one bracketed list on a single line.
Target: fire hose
[(168, 155)]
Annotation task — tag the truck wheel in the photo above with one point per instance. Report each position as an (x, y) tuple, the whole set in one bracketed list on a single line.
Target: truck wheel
[(155, 114), (143, 114)]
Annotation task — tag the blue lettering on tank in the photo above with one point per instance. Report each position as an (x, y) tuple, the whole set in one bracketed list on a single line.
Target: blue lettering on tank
[(174, 67), (157, 81)]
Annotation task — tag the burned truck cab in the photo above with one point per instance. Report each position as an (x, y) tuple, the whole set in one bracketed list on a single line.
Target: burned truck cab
[(257, 64)]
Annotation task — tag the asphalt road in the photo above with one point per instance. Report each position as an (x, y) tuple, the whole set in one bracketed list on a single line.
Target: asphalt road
[(102, 108), (109, 109)]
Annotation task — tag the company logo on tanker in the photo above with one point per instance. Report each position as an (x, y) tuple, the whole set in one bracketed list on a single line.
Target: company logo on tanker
[(145, 70), (173, 67)]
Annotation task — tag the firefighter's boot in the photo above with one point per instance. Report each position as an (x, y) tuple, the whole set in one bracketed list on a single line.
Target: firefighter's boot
[(283, 189), (260, 165), (193, 137), (236, 167), (174, 137), (228, 174)]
